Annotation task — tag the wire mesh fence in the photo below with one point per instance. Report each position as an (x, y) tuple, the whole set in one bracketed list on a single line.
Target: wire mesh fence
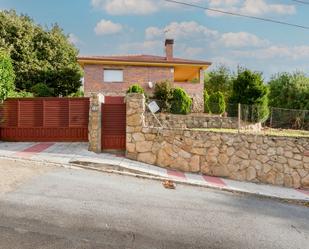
[(249, 118)]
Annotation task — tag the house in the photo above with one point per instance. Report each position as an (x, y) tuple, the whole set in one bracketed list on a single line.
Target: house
[(112, 75)]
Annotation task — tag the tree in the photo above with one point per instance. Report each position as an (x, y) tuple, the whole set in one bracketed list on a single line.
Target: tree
[(40, 55), (41, 90), (289, 91), (7, 75), (163, 92), (216, 103), (219, 80), (181, 102), (249, 89)]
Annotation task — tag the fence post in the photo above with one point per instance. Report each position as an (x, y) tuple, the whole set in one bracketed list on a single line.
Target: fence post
[(239, 118), (271, 117)]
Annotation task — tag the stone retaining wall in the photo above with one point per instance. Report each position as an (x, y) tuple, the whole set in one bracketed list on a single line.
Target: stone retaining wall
[(193, 120), (255, 158)]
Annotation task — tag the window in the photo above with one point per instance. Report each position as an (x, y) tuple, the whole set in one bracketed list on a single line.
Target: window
[(113, 75)]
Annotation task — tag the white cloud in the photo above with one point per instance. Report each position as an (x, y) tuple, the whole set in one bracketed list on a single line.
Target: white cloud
[(145, 47), (74, 39), (120, 7), (197, 33), (275, 52), (106, 27), (250, 7), (241, 39), (181, 30)]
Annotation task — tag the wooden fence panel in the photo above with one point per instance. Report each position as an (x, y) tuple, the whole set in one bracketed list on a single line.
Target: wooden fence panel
[(44, 119)]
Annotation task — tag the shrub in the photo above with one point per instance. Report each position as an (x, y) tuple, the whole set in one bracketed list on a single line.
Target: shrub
[(216, 103), (79, 93), (180, 102), (136, 88), (42, 90), (206, 104), (163, 93), (19, 94)]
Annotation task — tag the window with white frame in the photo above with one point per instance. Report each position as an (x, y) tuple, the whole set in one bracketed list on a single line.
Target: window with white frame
[(113, 75)]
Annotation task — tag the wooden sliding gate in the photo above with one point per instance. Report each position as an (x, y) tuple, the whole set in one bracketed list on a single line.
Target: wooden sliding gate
[(44, 119)]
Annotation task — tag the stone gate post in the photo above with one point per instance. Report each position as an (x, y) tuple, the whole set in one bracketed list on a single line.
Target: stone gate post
[(94, 126), (135, 121)]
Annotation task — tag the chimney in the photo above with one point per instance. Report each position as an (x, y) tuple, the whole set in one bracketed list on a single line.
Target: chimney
[(169, 49)]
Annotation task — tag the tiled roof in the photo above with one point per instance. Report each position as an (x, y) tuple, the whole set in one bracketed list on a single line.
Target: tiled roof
[(143, 58)]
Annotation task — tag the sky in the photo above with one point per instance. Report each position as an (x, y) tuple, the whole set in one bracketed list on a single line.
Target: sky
[(111, 27)]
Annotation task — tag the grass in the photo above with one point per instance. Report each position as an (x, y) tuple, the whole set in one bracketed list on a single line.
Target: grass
[(268, 131)]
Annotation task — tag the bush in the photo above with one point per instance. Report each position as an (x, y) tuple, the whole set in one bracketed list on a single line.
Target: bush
[(7, 75), (180, 102), (136, 88), (216, 103), (19, 94), (42, 90), (163, 93), (206, 104), (79, 93)]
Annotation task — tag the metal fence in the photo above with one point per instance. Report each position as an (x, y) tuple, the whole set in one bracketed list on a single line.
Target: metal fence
[(256, 118)]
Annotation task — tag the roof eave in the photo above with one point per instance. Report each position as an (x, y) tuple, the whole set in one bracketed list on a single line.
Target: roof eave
[(85, 60)]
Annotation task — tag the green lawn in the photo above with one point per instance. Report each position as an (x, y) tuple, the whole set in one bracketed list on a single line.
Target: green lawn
[(272, 132)]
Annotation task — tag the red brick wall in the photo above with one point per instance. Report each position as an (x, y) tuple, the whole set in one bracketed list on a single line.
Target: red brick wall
[(94, 82)]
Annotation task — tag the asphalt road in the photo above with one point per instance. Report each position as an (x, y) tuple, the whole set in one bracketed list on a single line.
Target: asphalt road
[(82, 209)]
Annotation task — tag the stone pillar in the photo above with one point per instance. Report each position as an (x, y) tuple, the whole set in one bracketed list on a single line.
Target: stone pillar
[(94, 127), (135, 104)]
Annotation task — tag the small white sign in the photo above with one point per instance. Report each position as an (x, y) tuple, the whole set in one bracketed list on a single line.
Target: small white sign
[(153, 107)]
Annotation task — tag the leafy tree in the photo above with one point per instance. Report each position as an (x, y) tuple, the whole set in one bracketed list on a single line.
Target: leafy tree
[(40, 55), (163, 92), (249, 89), (7, 75), (216, 103), (181, 102), (136, 88), (219, 80), (41, 90), (289, 91)]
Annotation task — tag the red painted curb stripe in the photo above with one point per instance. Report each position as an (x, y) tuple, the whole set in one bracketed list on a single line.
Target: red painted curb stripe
[(306, 192), (31, 151), (214, 180), (177, 174)]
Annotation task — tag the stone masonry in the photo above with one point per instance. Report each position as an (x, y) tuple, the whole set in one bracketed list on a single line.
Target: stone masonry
[(256, 158), (94, 126)]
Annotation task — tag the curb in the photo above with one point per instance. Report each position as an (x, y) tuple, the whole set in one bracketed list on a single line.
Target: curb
[(139, 174)]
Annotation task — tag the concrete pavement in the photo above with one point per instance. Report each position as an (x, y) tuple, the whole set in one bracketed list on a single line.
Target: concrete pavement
[(80, 209), (66, 154)]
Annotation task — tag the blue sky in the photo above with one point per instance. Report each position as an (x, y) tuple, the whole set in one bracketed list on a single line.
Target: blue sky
[(102, 27)]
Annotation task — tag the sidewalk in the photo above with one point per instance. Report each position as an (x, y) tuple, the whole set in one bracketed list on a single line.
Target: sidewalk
[(68, 154)]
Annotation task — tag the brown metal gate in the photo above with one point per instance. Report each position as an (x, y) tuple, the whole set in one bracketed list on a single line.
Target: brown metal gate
[(45, 119), (113, 124)]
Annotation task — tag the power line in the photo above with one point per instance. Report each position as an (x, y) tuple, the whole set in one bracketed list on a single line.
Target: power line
[(238, 14), (301, 2)]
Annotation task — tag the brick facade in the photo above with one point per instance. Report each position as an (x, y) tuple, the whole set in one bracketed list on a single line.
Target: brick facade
[(94, 81)]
